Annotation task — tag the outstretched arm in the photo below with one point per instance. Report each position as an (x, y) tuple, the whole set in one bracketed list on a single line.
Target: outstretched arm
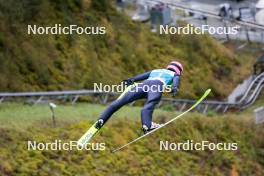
[(140, 77)]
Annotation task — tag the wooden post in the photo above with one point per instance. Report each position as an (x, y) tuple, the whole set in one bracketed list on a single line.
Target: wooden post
[(226, 108), (38, 100), (205, 109), (247, 35), (183, 107), (105, 99), (75, 99)]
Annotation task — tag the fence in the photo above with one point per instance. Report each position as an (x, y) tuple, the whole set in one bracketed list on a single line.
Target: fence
[(104, 98)]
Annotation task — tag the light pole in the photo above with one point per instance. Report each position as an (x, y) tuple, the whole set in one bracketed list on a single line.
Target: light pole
[(52, 107)]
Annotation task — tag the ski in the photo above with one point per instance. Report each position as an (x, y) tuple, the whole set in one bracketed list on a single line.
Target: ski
[(207, 92), (93, 130), (87, 136)]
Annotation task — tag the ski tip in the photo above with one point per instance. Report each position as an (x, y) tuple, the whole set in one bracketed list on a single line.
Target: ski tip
[(208, 91)]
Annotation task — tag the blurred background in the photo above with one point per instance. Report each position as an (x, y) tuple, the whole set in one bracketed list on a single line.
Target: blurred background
[(37, 70)]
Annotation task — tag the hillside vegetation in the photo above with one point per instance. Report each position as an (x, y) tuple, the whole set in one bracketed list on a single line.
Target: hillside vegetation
[(59, 62), (141, 158), (21, 123)]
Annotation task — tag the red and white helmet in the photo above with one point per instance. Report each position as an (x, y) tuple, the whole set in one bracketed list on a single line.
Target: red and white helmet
[(176, 67)]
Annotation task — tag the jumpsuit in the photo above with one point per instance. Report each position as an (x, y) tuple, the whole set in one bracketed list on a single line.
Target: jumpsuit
[(157, 78)]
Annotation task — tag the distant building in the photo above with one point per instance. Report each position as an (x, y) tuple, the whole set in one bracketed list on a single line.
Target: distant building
[(142, 13), (260, 12), (260, 4), (160, 15)]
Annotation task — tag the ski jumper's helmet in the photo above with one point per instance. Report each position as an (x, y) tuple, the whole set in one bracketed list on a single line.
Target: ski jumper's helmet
[(176, 67)]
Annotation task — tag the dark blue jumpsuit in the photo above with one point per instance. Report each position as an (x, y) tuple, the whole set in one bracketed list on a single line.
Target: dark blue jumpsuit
[(159, 78)]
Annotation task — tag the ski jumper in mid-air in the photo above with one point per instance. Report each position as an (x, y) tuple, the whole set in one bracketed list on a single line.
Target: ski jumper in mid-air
[(150, 90)]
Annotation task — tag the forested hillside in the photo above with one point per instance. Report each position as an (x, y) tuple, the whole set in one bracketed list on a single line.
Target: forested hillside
[(59, 62)]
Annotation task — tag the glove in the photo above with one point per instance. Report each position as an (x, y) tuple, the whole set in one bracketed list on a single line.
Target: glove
[(174, 91), (128, 82)]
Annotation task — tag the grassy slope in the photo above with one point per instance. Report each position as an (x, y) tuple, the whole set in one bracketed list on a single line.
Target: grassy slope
[(21, 116), (33, 63), (142, 158)]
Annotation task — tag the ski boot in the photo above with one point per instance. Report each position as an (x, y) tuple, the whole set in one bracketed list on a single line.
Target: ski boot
[(99, 124), (153, 126)]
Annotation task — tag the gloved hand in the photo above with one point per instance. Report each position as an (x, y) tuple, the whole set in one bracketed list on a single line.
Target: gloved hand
[(128, 82), (174, 91)]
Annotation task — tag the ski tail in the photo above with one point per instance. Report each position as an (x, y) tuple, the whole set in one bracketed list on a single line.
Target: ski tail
[(87, 136), (93, 130)]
